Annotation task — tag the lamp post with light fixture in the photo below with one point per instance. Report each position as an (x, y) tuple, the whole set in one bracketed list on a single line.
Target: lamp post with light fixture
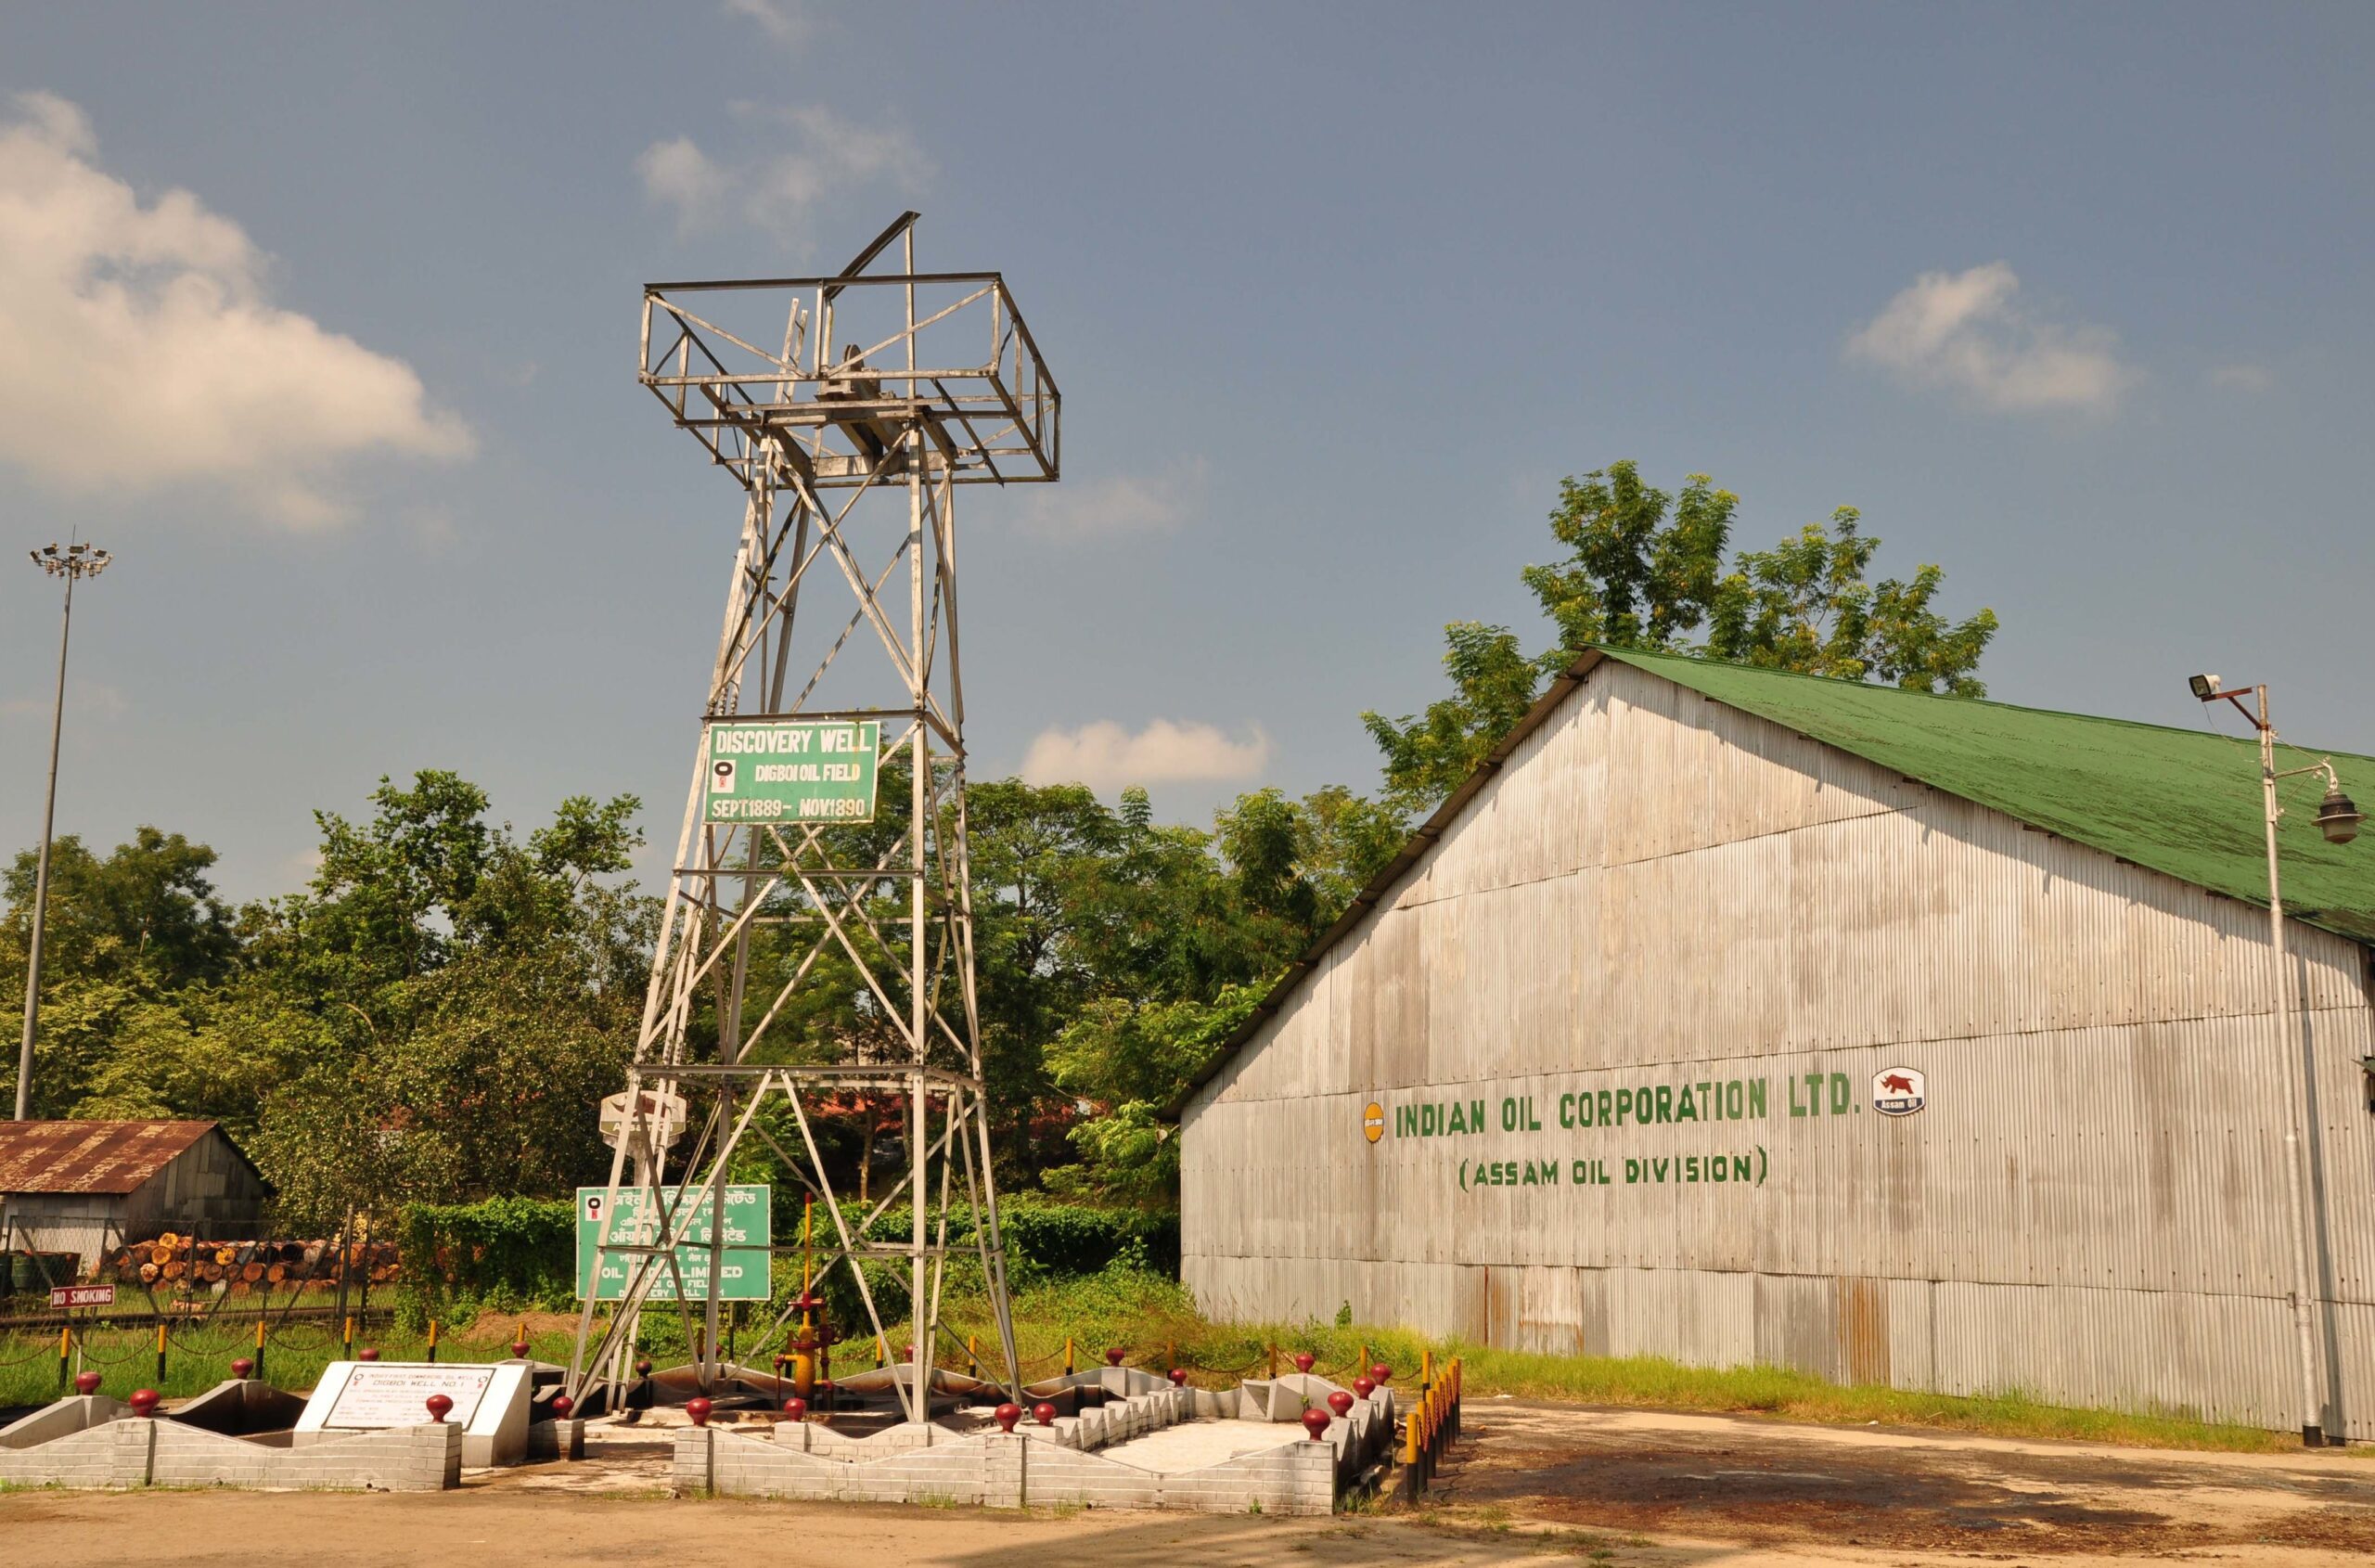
[(2338, 819), (72, 562)]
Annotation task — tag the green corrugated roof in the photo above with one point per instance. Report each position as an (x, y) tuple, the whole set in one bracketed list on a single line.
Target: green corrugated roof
[(2182, 801)]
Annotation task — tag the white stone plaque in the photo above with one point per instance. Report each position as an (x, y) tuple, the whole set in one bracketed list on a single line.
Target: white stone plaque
[(381, 1393)]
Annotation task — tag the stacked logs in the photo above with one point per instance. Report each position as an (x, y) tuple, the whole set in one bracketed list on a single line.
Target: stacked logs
[(174, 1262)]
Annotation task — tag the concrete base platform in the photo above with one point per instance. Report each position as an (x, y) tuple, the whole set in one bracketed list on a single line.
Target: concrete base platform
[(1193, 1444), (1141, 1447)]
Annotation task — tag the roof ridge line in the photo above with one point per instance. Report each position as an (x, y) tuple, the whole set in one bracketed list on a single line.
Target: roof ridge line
[(1628, 655)]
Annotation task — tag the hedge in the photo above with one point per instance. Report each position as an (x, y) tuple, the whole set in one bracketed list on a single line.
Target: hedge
[(512, 1252), (520, 1252)]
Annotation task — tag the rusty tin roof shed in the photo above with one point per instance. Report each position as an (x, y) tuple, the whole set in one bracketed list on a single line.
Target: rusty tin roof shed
[(96, 1157)]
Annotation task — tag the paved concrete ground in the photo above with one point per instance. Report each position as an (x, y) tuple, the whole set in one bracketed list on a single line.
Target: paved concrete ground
[(1629, 1489), (1193, 1444)]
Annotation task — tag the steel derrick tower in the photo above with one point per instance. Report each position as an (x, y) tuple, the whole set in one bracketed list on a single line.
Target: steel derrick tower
[(824, 832)]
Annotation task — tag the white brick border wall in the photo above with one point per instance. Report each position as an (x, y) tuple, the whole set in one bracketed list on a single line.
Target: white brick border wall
[(132, 1451), (1040, 1466)]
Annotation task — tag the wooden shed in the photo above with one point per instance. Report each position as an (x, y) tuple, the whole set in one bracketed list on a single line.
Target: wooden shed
[(88, 1187)]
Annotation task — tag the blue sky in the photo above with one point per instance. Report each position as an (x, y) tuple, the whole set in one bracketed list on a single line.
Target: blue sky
[(323, 320)]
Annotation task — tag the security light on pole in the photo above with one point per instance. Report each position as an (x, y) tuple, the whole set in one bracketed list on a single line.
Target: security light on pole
[(72, 562), (2338, 819)]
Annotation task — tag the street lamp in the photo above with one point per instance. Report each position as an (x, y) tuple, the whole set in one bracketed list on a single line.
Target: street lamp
[(73, 562), (2338, 819)]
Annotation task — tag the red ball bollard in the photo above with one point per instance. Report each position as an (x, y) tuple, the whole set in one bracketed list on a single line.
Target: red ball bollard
[(1303, 1360), (1315, 1424), (562, 1405), (1381, 1372), (439, 1407), (1044, 1413), (1007, 1414), (1179, 1376), (369, 1353), (144, 1401), (1341, 1401), (795, 1408), (243, 1368), (87, 1382), (1364, 1386), (698, 1407), (518, 1350), (643, 1367), (1114, 1358)]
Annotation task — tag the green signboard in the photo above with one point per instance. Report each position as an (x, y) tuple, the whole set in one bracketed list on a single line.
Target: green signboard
[(814, 772), (636, 1223)]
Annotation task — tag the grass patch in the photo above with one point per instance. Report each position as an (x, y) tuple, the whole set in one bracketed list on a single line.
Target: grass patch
[(1153, 1320), (198, 1356), (1650, 1383)]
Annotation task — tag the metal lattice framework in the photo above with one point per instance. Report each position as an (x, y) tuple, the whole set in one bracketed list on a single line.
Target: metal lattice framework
[(848, 462)]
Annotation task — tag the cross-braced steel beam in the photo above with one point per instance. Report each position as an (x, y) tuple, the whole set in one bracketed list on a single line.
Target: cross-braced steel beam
[(802, 964)]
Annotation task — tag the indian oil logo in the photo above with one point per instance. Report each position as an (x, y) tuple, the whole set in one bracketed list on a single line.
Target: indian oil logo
[(1373, 1122), (1899, 1091)]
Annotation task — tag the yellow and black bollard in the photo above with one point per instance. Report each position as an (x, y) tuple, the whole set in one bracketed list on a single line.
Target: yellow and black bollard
[(259, 1344), (432, 1342), (160, 1353), (65, 1355)]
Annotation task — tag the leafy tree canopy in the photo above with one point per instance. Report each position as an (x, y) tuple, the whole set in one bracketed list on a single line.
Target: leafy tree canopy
[(1644, 569)]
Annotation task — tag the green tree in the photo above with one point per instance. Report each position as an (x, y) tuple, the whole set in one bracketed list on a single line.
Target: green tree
[(1644, 569), (482, 991), (1642, 566), (1300, 862), (1805, 605), (122, 935), (1493, 684), (1133, 1058)]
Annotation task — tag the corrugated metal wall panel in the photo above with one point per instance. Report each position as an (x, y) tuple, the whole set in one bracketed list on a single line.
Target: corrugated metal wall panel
[(1659, 892)]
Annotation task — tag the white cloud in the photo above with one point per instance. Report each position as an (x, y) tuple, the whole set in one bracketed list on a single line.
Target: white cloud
[(1105, 756), (1108, 508), (776, 191), (1969, 332), (2254, 379), (785, 21), (678, 173), (138, 348)]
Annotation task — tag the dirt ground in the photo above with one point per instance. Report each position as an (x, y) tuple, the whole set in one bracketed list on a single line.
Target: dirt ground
[(1791, 1493), (1528, 1482)]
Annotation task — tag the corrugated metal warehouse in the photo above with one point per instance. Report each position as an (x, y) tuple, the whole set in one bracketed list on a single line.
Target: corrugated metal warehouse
[(1741, 1017), (89, 1187)]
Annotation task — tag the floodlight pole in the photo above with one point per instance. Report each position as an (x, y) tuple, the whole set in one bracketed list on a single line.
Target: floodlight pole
[(75, 560), (2290, 1054), (2296, 1110)]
